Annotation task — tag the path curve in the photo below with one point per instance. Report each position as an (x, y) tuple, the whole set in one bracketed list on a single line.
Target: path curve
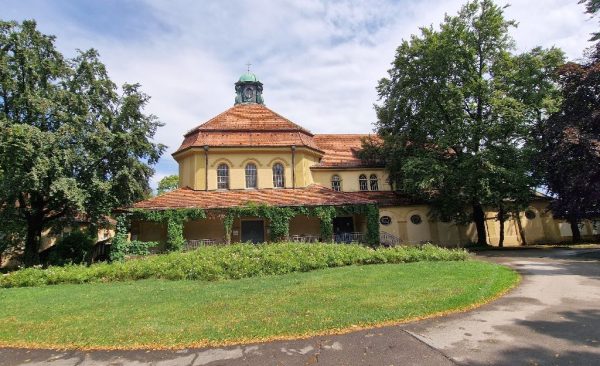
[(552, 318)]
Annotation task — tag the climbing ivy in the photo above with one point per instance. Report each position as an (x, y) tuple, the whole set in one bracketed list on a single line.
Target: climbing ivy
[(174, 219), (279, 218), (325, 214), (118, 247)]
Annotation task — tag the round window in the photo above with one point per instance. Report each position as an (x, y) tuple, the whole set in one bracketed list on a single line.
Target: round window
[(385, 220), (530, 214), (416, 219)]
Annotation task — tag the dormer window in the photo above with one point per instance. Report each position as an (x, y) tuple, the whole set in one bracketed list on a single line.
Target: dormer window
[(278, 176), (363, 183), (374, 182), (336, 183), (223, 176), (251, 181)]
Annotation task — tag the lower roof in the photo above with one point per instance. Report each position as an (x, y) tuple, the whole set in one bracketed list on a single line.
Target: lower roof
[(313, 195)]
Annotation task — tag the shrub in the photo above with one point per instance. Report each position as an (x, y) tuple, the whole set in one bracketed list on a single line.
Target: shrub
[(73, 247), (214, 263)]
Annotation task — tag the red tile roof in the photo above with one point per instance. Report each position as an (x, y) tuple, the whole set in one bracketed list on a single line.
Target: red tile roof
[(313, 195), (341, 150), (248, 125)]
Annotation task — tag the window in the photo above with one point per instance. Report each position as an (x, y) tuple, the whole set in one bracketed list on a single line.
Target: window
[(530, 214), (336, 183), (416, 219), (374, 182), (222, 176), (278, 176), (251, 175), (362, 183)]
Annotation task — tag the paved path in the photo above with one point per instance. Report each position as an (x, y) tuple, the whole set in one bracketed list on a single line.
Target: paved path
[(552, 318)]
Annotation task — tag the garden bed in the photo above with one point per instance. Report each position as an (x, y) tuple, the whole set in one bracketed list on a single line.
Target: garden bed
[(214, 263)]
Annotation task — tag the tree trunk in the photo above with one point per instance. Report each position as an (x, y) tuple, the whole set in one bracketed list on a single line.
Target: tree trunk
[(520, 227), (31, 254), (501, 219), (575, 230), (479, 218)]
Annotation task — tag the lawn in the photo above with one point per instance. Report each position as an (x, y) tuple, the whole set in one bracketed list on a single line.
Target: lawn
[(157, 313)]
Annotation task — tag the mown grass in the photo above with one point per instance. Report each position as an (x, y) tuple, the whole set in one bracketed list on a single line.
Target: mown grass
[(172, 314), (230, 262)]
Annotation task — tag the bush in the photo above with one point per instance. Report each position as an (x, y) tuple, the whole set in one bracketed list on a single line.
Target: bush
[(214, 263), (73, 247)]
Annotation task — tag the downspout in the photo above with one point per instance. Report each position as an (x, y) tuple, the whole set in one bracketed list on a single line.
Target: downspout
[(206, 167), (293, 166)]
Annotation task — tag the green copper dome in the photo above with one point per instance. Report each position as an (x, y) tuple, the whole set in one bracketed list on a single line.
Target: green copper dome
[(248, 77)]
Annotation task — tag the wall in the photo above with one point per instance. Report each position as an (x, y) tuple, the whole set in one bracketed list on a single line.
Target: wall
[(192, 166), (350, 178)]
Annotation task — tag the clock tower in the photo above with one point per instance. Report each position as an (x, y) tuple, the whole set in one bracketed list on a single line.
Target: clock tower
[(248, 89)]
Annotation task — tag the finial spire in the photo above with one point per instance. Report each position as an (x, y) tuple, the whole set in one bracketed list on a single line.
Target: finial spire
[(248, 64)]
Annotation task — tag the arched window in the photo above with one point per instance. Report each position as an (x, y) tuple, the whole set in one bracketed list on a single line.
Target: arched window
[(223, 176), (336, 183), (374, 182), (362, 183), (278, 176), (251, 175)]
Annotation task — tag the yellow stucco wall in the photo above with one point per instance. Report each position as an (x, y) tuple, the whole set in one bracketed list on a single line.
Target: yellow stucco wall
[(192, 166), (350, 178)]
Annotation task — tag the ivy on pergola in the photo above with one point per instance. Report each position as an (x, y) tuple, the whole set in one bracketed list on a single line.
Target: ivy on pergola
[(278, 218)]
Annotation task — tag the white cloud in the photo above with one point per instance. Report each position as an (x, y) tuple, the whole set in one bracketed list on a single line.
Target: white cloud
[(319, 60)]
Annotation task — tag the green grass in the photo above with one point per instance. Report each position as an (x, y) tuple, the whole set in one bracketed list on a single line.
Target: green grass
[(159, 313), (215, 263)]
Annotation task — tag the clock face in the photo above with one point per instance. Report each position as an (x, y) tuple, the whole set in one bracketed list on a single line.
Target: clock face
[(248, 93)]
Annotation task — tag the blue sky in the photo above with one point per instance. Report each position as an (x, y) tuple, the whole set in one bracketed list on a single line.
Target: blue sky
[(319, 60)]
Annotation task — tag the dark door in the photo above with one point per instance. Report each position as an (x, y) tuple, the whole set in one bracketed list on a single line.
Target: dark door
[(253, 231), (342, 227)]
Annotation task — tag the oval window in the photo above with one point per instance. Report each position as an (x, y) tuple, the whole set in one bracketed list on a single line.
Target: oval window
[(385, 220), (530, 214), (416, 219)]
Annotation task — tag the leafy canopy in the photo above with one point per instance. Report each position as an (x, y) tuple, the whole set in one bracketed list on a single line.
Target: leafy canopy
[(167, 184), (71, 143), (457, 113)]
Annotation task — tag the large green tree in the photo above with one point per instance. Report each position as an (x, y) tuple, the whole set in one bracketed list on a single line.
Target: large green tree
[(71, 143), (167, 184), (457, 114)]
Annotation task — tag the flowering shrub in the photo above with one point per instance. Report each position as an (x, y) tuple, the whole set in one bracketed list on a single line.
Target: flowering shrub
[(213, 263)]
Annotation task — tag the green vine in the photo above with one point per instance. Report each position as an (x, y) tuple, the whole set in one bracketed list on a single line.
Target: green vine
[(174, 219), (279, 218)]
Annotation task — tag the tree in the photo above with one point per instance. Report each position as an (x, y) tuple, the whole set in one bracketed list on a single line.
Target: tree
[(570, 155), (70, 143), (167, 184), (592, 7), (457, 113)]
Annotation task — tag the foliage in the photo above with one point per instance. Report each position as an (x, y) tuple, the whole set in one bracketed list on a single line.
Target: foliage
[(73, 247), (140, 248), (459, 115), (174, 219), (570, 154), (150, 314), (326, 214), (120, 242), (73, 144), (592, 7), (279, 218), (167, 184), (213, 263)]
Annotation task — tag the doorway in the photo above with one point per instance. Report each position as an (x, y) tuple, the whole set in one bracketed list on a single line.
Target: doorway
[(253, 231)]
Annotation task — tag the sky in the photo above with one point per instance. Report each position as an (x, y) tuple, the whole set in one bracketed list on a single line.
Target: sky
[(319, 60)]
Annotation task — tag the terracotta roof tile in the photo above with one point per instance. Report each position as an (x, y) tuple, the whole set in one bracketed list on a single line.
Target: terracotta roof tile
[(248, 125), (313, 195), (341, 150)]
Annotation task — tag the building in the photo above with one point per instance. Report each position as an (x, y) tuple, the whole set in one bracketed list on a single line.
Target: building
[(249, 155)]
